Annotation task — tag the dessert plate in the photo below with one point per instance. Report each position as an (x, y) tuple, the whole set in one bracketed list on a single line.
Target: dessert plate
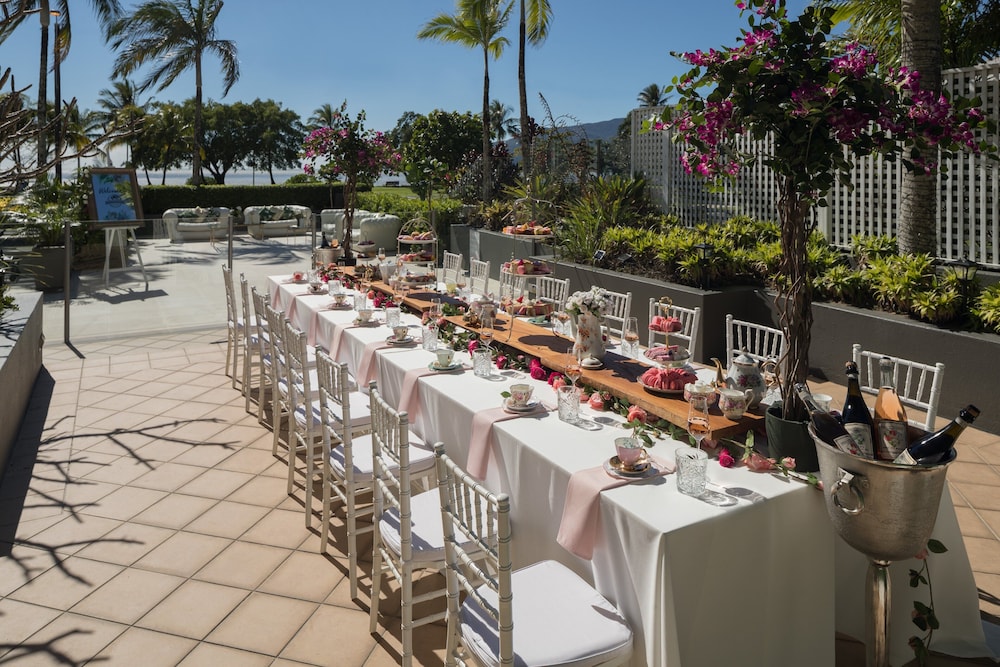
[(616, 468)]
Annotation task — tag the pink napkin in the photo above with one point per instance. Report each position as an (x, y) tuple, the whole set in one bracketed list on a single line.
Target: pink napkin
[(409, 392), (482, 428), (582, 511), (337, 335), (366, 367)]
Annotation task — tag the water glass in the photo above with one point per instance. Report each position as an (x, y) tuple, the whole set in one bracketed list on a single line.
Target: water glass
[(482, 362), (569, 403), (430, 336), (437, 310), (630, 338), (392, 317), (691, 468), (360, 300)]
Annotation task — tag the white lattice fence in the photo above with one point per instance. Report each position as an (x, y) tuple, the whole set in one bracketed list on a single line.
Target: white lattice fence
[(968, 210)]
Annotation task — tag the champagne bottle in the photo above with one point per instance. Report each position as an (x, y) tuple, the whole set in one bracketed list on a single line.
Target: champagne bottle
[(890, 416), (855, 415), (934, 447), (325, 243), (827, 427)]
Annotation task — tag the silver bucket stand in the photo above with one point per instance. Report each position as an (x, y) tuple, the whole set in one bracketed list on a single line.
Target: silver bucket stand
[(885, 511)]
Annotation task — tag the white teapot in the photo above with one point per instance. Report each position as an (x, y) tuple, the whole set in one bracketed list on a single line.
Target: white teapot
[(743, 374)]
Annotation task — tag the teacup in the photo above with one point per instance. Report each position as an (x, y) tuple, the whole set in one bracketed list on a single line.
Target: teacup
[(701, 389), (445, 355), (520, 394), (734, 402), (630, 451), (365, 314), (400, 331), (339, 298)]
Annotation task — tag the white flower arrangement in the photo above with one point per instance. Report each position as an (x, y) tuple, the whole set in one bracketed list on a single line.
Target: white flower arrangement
[(593, 302)]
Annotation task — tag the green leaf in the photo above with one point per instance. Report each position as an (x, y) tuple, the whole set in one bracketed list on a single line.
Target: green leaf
[(935, 546)]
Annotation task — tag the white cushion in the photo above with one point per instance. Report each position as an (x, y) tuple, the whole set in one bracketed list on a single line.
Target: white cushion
[(280, 223), (421, 458), (559, 619), (427, 535)]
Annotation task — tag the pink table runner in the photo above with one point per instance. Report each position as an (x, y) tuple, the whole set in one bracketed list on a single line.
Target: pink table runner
[(482, 428), (366, 367), (582, 511), (338, 333), (408, 392)]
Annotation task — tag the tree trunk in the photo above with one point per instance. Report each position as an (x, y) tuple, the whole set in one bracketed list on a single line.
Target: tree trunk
[(921, 51), (487, 167), (350, 187), (522, 89), (196, 178), (795, 298), (43, 71)]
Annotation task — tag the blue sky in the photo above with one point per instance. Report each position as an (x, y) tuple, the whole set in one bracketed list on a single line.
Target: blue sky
[(304, 53)]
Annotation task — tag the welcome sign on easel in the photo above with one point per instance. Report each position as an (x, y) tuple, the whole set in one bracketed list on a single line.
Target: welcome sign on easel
[(114, 197)]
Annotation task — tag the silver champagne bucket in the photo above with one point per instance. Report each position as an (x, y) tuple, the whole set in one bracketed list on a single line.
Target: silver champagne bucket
[(885, 511)]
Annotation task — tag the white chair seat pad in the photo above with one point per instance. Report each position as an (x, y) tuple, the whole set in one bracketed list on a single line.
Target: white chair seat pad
[(421, 459), (427, 535), (559, 619)]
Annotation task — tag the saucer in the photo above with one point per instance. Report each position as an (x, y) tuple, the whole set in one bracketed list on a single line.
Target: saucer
[(392, 340), (317, 290), (530, 406), (340, 306), (616, 468), (444, 369), (592, 363), (369, 323)]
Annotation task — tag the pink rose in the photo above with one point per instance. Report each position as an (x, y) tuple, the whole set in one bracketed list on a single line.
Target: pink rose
[(922, 554), (725, 459), (538, 373), (788, 462), (596, 401), (553, 376), (635, 413), (473, 346), (441, 322), (501, 361), (534, 363), (557, 381)]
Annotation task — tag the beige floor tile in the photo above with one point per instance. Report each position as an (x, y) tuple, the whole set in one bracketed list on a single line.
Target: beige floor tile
[(137, 646), (206, 453), (980, 496), (128, 596), (332, 631), (210, 655), (243, 565), (168, 477), (163, 449), (70, 639), (304, 576), (280, 528), (183, 554), (185, 392), (252, 461), (992, 520), (74, 533), (227, 519), (262, 490), (62, 587), (984, 555), (20, 620), (263, 623), (216, 483), (974, 473), (126, 544), (193, 610), (428, 645), (122, 471), (20, 564), (972, 524), (175, 511), (125, 503)]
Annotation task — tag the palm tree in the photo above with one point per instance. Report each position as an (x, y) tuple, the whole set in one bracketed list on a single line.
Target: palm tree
[(652, 96), (322, 116), (477, 23), (500, 120), (106, 10), (535, 17), (176, 35), (121, 110), (80, 130)]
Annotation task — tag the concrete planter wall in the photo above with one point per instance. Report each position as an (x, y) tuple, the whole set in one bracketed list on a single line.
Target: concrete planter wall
[(20, 361), (971, 360)]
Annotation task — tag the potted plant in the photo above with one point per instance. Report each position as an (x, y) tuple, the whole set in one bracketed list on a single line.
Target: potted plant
[(812, 104), (347, 150)]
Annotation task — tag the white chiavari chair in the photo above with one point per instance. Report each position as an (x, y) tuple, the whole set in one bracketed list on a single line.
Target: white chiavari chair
[(619, 308), (407, 532), (265, 356), (552, 290), (451, 264), (235, 327), (304, 434), (918, 385), (690, 320), (479, 277), (542, 614), (760, 342), (513, 285)]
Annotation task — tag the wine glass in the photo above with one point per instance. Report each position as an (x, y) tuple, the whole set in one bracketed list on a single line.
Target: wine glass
[(573, 369), (381, 255), (697, 423), (486, 331), (630, 338), (461, 280), (563, 318)]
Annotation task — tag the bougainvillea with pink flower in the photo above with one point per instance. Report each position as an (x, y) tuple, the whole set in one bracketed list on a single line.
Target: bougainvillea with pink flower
[(812, 104), (346, 150)]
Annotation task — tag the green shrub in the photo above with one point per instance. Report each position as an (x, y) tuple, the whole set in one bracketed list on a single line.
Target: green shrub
[(986, 308), (158, 198)]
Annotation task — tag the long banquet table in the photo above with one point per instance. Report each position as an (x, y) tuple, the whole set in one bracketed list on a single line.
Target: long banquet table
[(762, 583)]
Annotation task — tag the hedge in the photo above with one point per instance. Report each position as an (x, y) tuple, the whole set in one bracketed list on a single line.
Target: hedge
[(158, 198)]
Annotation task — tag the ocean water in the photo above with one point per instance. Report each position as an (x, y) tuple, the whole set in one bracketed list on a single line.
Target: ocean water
[(244, 177)]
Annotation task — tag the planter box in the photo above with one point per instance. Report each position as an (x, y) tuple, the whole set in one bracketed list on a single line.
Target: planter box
[(969, 358), (20, 361)]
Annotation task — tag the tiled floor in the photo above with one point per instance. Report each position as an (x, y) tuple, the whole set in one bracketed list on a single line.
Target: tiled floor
[(145, 521)]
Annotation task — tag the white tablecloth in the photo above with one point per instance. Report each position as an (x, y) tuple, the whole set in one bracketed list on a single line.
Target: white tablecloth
[(752, 584)]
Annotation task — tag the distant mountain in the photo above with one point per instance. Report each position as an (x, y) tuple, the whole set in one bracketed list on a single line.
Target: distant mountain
[(604, 130)]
